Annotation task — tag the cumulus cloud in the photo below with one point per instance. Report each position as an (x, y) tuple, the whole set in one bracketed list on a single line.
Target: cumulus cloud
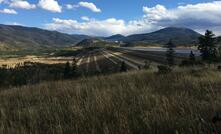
[(5, 1), (199, 17), (90, 6), (21, 4), (196, 16), (69, 6), (85, 18), (8, 11), (157, 13), (50, 5), (91, 27), (105, 27), (1, 1)]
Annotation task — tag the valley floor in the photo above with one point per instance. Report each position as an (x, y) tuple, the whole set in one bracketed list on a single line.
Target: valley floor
[(12, 62), (183, 101)]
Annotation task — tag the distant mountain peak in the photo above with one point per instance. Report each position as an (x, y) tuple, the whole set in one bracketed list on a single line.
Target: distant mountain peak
[(119, 35), (179, 35), (171, 29), (116, 37)]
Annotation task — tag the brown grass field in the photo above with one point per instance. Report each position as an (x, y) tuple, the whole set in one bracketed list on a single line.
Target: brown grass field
[(12, 62), (181, 102)]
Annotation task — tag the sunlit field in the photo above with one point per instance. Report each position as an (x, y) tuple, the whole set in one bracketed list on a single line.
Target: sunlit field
[(12, 62)]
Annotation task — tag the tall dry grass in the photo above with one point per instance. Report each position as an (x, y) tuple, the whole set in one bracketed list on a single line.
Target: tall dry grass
[(182, 102)]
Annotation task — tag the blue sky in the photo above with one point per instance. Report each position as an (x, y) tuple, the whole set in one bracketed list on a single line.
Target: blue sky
[(107, 17)]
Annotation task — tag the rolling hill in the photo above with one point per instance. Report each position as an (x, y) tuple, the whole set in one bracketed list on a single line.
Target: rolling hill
[(96, 42), (19, 37), (90, 42), (180, 36), (116, 37)]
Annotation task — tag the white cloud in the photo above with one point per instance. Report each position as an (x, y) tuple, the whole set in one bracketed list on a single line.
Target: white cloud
[(90, 6), (8, 11), (92, 27), (85, 18), (22, 4), (4, 1), (50, 5), (157, 13), (189, 15), (1, 1), (199, 17), (98, 27), (14, 23), (69, 6)]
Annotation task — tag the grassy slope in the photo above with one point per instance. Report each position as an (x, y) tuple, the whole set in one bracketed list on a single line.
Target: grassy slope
[(135, 102)]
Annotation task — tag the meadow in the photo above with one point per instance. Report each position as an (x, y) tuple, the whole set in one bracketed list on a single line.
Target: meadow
[(181, 102)]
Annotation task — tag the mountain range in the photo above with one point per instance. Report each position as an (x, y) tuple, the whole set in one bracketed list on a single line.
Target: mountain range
[(20, 37), (117, 37), (179, 36)]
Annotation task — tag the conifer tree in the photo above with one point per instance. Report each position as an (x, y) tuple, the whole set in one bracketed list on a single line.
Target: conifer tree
[(192, 58), (123, 67), (74, 68), (207, 46), (67, 70), (170, 53)]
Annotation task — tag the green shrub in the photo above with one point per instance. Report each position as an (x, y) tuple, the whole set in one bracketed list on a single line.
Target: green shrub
[(164, 69)]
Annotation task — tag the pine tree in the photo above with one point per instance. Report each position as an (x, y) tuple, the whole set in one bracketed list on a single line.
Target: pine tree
[(207, 46), (147, 64), (192, 58), (67, 70), (123, 67), (74, 68), (170, 53)]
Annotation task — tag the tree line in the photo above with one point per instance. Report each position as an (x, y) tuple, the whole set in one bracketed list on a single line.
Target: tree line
[(32, 73)]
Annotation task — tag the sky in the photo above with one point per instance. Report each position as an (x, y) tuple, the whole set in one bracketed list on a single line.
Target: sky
[(109, 17)]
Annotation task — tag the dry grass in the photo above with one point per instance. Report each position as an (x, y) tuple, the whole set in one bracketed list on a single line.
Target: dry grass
[(135, 102), (12, 62)]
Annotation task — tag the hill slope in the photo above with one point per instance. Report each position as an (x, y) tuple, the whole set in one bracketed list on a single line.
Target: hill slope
[(129, 102), (180, 36), (92, 42), (116, 37), (20, 37)]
